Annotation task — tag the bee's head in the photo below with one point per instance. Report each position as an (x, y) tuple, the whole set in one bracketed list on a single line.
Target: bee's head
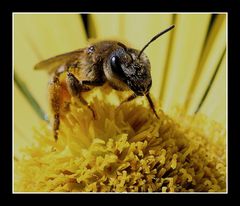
[(127, 71), (128, 68)]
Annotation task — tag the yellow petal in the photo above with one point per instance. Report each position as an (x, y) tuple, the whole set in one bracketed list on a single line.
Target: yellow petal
[(212, 53), (24, 119), (215, 103), (185, 51), (105, 26)]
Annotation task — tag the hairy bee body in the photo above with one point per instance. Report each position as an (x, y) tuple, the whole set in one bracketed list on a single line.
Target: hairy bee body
[(123, 68)]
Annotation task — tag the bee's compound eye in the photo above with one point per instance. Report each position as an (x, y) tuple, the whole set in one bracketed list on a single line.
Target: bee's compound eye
[(116, 65)]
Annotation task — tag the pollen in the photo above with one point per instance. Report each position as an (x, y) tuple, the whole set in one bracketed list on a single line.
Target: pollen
[(124, 150)]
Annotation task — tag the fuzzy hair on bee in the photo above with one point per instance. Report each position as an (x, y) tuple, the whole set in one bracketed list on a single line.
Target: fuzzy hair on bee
[(123, 68)]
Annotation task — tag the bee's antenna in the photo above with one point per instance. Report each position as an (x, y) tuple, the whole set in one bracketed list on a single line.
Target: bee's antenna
[(154, 38)]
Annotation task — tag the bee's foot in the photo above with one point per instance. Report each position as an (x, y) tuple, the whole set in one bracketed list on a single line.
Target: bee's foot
[(93, 112)]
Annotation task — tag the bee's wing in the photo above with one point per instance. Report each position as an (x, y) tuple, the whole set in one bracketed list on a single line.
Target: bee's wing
[(54, 63)]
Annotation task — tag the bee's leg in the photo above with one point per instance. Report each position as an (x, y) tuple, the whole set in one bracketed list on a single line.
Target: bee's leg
[(130, 98), (54, 91), (75, 87), (151, 105)]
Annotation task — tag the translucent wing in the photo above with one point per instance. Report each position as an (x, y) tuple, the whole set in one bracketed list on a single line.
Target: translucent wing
[(56, 62)]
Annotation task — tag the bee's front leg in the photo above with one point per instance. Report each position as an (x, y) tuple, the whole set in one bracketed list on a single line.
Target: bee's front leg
[(130, 98), (75, 87), (152, 105)]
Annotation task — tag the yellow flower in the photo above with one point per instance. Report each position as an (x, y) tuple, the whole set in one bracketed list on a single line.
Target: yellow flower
[(124, 150)]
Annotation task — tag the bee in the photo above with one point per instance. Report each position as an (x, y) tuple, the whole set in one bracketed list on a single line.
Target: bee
[(104, 62)]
